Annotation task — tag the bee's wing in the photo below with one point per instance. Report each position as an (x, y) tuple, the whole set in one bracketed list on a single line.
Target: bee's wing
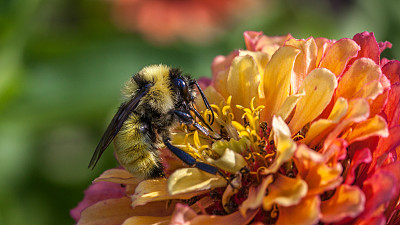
[(116, 123)]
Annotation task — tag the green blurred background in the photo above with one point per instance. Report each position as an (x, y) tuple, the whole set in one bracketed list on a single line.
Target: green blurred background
[(63, 62)]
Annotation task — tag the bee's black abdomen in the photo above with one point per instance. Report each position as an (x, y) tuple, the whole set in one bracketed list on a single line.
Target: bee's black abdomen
[(157, 171)]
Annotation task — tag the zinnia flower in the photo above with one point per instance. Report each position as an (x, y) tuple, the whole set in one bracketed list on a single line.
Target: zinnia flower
[(311, 134), (164, 21)]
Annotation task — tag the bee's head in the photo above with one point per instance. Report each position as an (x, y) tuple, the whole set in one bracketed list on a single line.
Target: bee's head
[(186, 87)]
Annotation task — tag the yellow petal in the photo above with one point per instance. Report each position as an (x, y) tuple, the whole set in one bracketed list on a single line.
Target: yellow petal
[(339, 110), (288, 105), (147, 220), (156, 190), (256, 196), (277, 80), (285, 191), (242, 83), (229, 161), (192, 179), (339, 54), (319, 86), (231, 190), (361, 80), (305, 61), (237, 146), (306, 212), (285, 146), (348, 201), (375, 126), (261, 60), (320, 128), (119, 176)]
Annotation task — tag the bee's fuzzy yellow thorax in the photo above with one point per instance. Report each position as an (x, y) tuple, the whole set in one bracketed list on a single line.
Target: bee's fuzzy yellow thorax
[(160, 94)]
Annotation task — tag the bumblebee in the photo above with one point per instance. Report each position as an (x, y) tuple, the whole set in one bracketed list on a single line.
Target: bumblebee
[(158, 99)]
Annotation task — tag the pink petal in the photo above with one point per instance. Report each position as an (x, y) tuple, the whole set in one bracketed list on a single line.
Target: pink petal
[(384, 45), (204, 82), (97, 192), (251, 38)]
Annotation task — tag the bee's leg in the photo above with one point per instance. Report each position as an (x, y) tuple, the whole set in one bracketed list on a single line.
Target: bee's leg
[(187, 119), (188, 159)]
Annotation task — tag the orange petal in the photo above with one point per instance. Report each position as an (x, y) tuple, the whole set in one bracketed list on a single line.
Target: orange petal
[(305, 61), (319, 86), (323, 45), (361, 80), (339, 54), (285, 191), (375, 126), (184, 215), (277, 80), (358, 111), (232, 219), (348, 201), (242, 83), (320, 128), (156, 190), (193, 180), (116, 211), (306, 212), (312, 168), (256, 196)]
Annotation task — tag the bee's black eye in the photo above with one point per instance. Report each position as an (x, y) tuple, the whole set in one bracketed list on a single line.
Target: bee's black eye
[(183, 87)]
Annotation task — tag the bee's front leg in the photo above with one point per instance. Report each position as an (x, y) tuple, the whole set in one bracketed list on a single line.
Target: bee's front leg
[(188, 159), (187, 119)]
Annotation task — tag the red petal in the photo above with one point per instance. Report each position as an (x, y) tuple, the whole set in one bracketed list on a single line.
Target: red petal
[(369, 46), (361, 156), (392, 109), (392, 71)]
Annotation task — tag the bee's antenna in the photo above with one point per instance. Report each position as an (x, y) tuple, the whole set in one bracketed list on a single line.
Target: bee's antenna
[(200, 117), (205, 102)]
